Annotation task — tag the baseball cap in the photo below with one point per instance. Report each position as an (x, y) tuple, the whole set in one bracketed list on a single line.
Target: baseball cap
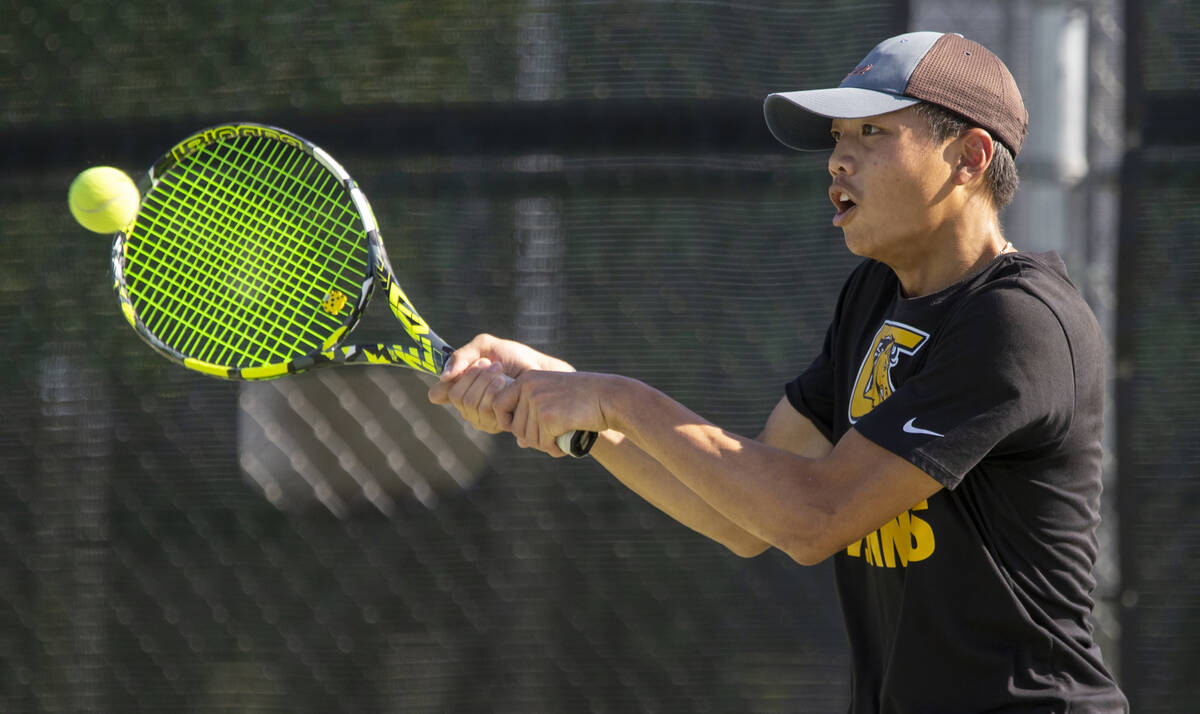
[(945, 69)]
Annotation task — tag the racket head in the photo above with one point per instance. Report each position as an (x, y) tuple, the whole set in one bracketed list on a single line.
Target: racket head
[(253, 253)]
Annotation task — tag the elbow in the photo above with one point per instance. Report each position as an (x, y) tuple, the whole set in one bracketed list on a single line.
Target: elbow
[(808, 546), (747, 548), (741, 543), (813, 530), (803, 550), (809, 555)]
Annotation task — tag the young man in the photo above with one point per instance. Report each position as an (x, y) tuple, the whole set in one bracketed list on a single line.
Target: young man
[(944, 446)]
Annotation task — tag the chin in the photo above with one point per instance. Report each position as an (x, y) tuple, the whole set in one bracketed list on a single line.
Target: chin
[(857, 244), (875, 244)]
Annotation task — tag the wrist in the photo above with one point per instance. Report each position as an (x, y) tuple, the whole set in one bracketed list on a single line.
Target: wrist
[(523, 357), (615, 396)]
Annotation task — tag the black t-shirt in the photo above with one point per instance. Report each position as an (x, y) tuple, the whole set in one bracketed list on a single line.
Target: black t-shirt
[(977, 599)]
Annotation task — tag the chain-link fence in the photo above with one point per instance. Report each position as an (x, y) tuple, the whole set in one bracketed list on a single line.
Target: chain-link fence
[(582, 177), (592, 178), (1158, 308)]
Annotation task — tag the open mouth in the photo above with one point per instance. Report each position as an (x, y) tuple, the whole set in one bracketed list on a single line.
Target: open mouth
[(844, 205)]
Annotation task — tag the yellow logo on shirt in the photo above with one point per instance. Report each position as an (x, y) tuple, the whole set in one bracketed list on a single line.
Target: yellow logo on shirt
[(874, 383)]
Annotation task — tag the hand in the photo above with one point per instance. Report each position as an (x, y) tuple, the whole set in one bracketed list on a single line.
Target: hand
[(472, 392), (539, 406), (515, 358), (475, 374)]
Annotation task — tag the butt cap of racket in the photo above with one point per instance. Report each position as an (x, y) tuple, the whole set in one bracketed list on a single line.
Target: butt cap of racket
[(577, 443)]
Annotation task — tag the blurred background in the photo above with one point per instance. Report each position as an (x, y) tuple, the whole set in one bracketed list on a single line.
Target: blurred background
[(593, 178)]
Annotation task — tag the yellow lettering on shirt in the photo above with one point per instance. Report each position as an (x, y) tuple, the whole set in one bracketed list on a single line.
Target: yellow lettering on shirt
[(905, 539)]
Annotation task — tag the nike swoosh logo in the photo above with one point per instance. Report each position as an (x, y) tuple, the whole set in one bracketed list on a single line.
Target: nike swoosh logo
[(910, 429)]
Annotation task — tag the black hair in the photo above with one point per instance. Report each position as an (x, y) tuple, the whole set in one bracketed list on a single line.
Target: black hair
[(1001, 175)]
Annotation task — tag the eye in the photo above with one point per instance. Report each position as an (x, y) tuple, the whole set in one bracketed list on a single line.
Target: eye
[(870, 130)]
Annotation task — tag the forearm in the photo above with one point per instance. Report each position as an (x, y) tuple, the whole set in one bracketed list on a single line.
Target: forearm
[(658, 486), (759, 489)]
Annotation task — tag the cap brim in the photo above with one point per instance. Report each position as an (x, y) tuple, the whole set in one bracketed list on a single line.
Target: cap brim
[(801, 120)]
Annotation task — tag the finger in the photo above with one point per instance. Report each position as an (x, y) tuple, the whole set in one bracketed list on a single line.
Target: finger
[(439, 393), (474, 393), (548, 443), (537, 434), (520, 423), (464, 357), (478, 397), (504, 404), (462, 384), (546, 436)]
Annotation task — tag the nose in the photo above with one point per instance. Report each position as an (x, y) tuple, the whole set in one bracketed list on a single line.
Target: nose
[(840, 161)]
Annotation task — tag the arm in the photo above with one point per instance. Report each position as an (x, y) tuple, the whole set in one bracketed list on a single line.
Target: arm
[(472, 380), (809, 504), (645, 476), (648, 479)]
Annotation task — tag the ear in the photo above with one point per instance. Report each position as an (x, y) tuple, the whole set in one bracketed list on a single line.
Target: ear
[(975, 151)]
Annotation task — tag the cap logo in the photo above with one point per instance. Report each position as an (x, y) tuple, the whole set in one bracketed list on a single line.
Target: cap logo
[(858, 71)]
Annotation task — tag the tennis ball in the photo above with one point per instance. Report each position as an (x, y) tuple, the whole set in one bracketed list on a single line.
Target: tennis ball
[(103, 199)]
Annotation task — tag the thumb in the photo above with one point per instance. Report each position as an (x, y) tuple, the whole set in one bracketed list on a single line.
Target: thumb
[(462, 358), (466, 356), (458, 362)]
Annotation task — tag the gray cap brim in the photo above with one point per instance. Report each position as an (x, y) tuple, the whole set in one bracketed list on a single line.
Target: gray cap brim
[(801, 120)]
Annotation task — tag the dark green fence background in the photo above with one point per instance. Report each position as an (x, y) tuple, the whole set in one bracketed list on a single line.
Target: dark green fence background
[(593, 178), (1158, 371)]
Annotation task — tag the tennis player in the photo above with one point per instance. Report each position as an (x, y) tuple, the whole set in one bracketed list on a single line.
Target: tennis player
[(943, 447)]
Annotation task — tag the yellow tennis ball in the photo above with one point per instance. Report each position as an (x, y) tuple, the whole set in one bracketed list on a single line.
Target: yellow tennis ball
[(103, 199)]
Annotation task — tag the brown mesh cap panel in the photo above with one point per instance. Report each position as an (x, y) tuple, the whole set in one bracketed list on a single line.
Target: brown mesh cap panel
[(965, 77)]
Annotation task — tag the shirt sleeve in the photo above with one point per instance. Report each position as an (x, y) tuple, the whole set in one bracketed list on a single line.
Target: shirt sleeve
[(998, 379), (812, 393)]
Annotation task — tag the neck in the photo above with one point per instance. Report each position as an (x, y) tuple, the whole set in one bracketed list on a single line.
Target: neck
[(939, 262)]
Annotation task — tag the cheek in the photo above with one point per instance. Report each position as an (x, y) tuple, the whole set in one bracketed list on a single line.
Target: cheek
[(911, 188), (898, 195)]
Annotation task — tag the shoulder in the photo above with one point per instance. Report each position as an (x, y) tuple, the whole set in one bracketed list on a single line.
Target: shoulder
[(1026, 326), (1040, 275), (1029, 297)]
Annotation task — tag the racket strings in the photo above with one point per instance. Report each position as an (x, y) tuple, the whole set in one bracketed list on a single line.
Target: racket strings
[(210, 264), (238, 294), (241, 243), (236, 268)]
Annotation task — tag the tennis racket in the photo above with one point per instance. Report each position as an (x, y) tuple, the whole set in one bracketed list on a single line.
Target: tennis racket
[(253, 256)]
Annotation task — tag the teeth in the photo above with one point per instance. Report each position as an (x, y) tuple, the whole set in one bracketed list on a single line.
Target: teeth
[(844, 198)]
